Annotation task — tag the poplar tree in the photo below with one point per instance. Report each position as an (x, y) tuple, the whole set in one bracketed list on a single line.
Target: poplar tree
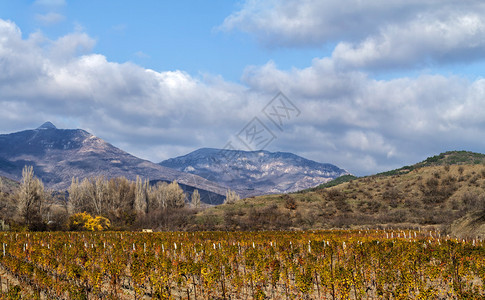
[(75, 204), (31, 197), (175, 195), (195, 200), (231, 197), (141, 196)]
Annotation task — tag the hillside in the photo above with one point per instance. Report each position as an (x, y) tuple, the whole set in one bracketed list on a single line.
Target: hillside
[(255, 172), (443, 159), (435, 192)]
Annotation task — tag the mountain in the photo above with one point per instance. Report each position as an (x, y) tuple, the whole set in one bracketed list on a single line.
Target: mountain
[(57, 155), (255, 172)]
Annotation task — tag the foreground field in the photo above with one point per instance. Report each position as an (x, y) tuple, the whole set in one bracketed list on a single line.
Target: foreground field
[(365, 264)]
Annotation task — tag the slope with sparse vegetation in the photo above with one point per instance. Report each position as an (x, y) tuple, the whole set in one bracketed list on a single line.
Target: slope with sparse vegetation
[(435, 192)]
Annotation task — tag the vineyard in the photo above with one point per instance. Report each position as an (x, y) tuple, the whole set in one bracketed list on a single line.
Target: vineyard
[(364, 264)]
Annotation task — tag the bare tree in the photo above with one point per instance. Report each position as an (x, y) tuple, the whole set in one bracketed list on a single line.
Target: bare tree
[(88, 194), (141, 196), (31, 197), (158, 197), (121, 197), (165, 195), (75, 203), (231, 197), (91, 195), (100, 195), (195, 199), (175, 195)]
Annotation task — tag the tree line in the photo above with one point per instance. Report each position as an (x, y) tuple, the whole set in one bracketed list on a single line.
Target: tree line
[(127, 204)]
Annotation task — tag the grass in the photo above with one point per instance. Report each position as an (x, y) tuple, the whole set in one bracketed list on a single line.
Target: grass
[(443, 159), (430, 196), (335, 182)]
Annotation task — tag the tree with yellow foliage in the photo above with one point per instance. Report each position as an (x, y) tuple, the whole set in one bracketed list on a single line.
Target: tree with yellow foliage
[(84, 221), (98, 223)]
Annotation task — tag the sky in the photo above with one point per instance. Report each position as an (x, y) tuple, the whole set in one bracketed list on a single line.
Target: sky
[(366, 85)]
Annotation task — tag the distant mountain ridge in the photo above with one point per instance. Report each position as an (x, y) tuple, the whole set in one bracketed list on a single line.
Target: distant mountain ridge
[(57, 155), (255, 172)]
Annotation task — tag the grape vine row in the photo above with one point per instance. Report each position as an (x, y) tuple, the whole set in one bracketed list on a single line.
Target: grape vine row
[(244, 265)]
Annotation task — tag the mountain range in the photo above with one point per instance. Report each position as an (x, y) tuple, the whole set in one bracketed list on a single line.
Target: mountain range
[(57, 155), (255, 172)]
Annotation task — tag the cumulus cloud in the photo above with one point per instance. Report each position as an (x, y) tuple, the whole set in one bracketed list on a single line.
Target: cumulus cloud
[(347, 117), (71, 45), (370, 34), (313, 22), (391, 121), (426, 40)]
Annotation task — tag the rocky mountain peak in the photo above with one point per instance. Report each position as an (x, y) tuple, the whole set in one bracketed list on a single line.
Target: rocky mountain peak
[(47, 125), (57, 155), (255, 172)]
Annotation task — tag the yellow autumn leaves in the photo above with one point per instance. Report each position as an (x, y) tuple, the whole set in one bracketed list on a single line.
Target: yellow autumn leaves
[(84, 221)]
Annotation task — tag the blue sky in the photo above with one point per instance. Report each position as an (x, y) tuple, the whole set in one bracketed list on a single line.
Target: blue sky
[(378, 84), (160, 35)]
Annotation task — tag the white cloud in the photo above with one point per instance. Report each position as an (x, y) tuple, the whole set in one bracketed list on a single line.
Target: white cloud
[(71, 45), (423, 41), (141, 55), (20, 58), (314, 22), (396, 122), (368, 142), (118, 101), (49, 18), (347, 118), (372, 34)]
